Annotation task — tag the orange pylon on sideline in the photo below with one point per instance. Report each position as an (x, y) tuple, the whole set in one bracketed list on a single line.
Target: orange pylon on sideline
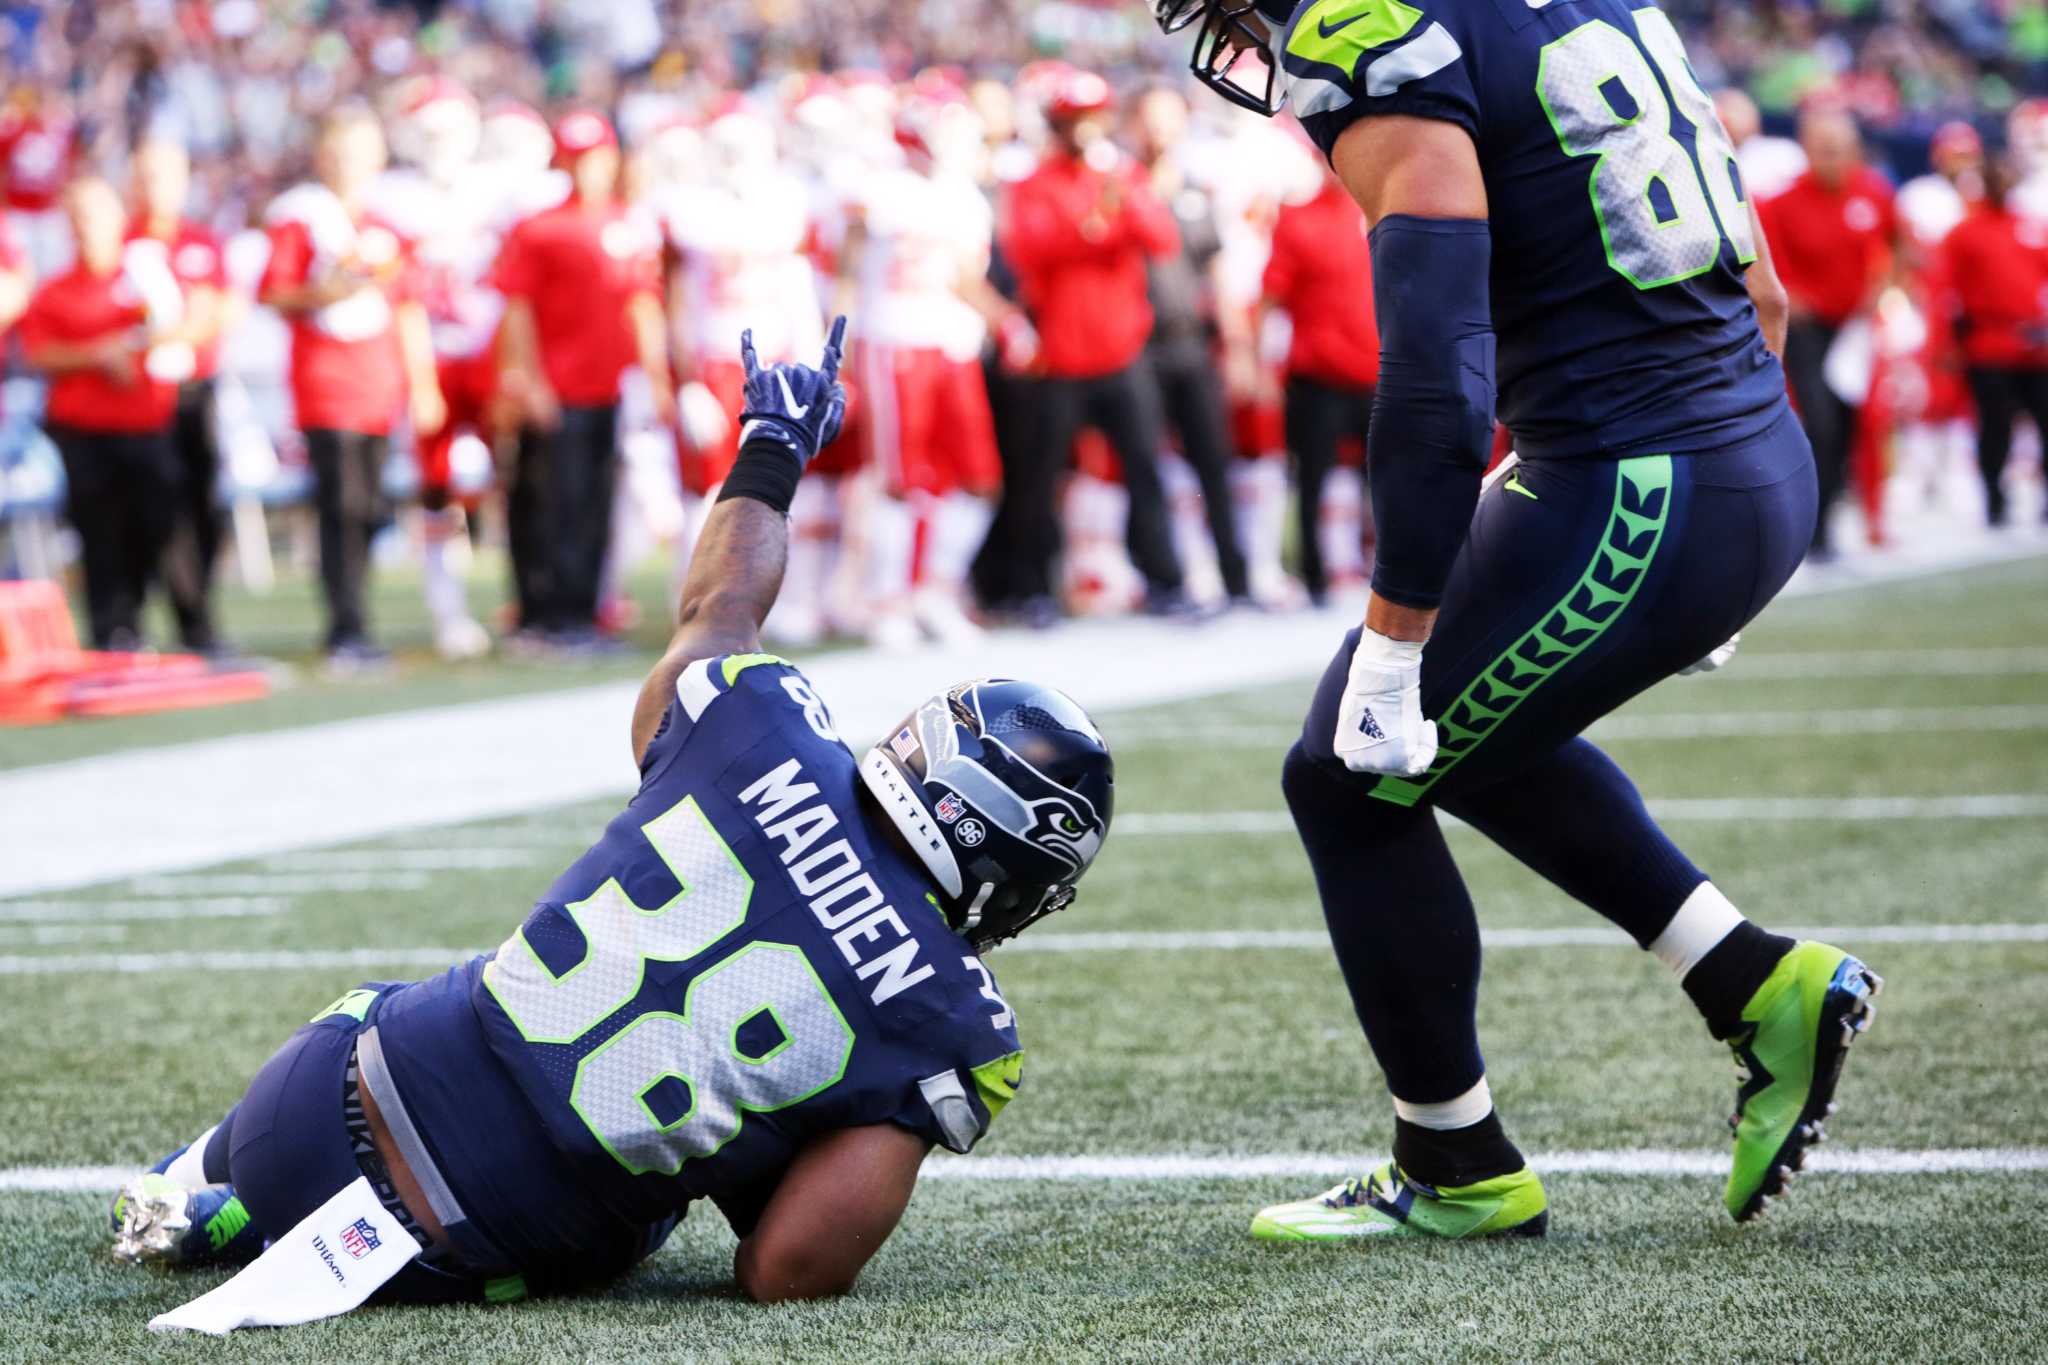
[(46, 676)]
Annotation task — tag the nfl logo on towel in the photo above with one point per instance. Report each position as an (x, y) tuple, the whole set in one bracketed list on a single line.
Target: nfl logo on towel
[(359, 1238)]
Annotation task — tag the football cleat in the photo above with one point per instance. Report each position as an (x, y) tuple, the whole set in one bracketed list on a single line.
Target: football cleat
[(1788, 1057), (157, 1221), (1388, 1202)]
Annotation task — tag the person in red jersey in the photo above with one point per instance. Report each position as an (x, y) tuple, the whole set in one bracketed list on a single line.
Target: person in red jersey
[(582, 302), (360, 345), (38, 150), (190, 254), (1320, 275), (90, 329), (1831, 235), (1079, 231), (1997, 271)]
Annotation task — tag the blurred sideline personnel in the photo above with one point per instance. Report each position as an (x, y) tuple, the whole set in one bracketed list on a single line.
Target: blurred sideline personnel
[(1078, 231), (1182, 349), (360, 346), (1831, 235), (162, 177), (453, 205), (762, 986), (1996, 262), (582, 302), (1320, 274), (102, 336), (1663, 494)]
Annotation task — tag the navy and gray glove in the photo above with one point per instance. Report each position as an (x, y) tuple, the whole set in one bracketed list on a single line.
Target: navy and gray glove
[(795, 406)]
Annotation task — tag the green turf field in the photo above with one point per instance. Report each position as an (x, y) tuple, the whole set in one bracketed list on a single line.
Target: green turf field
[(1175, 1038)]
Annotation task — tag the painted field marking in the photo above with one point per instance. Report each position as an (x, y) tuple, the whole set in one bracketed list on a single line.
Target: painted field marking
[(276, 883), (1157, 1166), (1589, 936), (89, 911), (1676, 725), (1850, 809), (451, 858), (59, 935)]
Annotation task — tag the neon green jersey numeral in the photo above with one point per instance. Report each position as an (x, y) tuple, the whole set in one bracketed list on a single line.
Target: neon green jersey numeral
[(1585, 81)]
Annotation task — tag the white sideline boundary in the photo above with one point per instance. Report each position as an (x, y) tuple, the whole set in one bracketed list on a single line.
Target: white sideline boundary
[(434, 958), (1168, 1166)]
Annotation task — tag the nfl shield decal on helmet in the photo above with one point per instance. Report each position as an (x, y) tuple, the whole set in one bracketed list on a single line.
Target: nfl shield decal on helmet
[(949, 808)]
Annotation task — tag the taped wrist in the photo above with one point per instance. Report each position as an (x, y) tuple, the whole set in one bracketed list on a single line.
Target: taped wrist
[(1432, 414), (766, 471)]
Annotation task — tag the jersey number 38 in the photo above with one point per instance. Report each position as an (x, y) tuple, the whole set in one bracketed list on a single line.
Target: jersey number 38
[(757, 1031), (1663, 211)]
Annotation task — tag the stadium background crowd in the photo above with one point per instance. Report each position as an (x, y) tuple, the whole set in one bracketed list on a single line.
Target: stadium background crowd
[(1101, 331)]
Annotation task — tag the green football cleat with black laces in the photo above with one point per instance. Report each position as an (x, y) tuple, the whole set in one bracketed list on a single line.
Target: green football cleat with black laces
[(1388, 1203), (1796, 1033)]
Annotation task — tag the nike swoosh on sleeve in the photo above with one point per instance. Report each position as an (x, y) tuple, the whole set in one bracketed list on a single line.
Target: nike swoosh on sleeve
[(1330, 30)]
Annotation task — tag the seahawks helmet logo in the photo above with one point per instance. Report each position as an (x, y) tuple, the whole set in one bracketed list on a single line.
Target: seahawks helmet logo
[(1059, 827)]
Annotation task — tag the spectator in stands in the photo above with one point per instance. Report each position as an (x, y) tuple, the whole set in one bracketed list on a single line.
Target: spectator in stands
[(1997, 268), (90, 330), (1186, 324), (162, 178), (359, 346), (1831, 238), (1079, 231), (1320, 275), (582, 292)]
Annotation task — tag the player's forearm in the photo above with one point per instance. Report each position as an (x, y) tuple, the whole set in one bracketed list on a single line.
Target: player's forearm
[(519, 340), (416, 347), (734, 574), (1432, 408)]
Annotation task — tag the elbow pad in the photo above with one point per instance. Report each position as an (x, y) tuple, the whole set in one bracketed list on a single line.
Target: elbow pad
[(1432, 415)]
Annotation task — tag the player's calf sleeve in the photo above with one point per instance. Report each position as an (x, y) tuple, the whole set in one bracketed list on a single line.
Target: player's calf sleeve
[(1402, 925)]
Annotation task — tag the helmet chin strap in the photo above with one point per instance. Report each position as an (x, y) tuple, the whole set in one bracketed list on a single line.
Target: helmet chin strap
[(892, 792)]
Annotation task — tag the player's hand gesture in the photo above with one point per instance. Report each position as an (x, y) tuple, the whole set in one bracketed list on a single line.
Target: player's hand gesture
[(795, 406), (1380, 728)]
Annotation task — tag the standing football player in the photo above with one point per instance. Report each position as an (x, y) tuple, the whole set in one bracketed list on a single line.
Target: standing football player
[(1663, 495), (762, 986)]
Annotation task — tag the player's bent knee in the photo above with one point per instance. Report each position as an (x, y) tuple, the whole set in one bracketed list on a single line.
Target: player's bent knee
[(777, 1274)]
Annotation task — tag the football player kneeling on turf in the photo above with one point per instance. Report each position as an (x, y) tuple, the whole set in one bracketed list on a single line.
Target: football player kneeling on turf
[(762, 987)]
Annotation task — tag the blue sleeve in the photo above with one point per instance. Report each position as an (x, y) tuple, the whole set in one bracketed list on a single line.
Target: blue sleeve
[(1344, 63), (975, 1072), (1432, 412)]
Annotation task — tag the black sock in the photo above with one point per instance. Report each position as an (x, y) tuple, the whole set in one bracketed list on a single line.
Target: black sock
[(1721, 983), (1455, 1156)]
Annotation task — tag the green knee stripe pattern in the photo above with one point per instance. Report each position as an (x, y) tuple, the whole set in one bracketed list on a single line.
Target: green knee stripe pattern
[(1635, 527)]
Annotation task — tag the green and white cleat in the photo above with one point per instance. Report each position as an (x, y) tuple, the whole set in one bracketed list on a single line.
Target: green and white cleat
[(1797, 1031), (1389, 1203), (157, 1221)]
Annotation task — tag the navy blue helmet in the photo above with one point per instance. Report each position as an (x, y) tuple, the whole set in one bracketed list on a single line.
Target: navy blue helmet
[(1004, 789)]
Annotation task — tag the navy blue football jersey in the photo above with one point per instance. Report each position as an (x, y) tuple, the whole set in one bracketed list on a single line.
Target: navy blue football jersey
[(1620, 226), (741, 964)]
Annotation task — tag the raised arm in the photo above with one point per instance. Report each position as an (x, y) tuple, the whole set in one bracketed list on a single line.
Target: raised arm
[(837, 1204), (789, 412)]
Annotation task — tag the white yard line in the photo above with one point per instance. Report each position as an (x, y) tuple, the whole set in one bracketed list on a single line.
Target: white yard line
[(1938, 662), (1676, 725), (93, 911), (277, 883), (59, 935), (1157, 1166), (429, 958), (1848, 809), (478, 858)]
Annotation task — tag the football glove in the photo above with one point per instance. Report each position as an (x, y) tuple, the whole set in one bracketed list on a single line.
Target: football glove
[(1380, 728), (795, 406), (1720, 655)]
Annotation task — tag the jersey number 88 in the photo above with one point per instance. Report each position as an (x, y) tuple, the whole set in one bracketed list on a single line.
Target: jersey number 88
[(1663, 212)]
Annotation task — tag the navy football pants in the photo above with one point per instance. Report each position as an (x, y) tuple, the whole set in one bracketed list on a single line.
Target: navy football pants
[(1581, 583)]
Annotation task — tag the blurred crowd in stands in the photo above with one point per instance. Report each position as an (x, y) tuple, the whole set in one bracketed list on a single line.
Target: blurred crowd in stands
[(478, 270)]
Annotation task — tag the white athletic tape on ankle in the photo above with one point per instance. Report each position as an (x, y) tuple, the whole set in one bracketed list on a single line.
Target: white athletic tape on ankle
[(1461, 1111), (1703, 921), (336, 1257)]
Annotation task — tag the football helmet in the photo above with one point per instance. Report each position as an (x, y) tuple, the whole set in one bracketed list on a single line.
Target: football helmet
[(1004, 790), (1234, 52)]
